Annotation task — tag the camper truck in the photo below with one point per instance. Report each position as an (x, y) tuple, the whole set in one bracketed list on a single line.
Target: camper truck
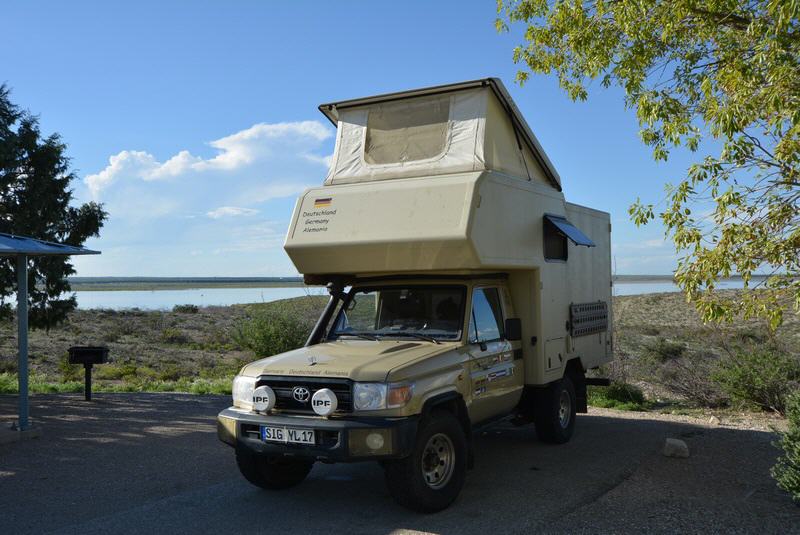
[(463, 289)]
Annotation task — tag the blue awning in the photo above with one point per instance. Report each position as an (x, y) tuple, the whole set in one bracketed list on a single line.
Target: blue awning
[(11, 245), (569, 230)]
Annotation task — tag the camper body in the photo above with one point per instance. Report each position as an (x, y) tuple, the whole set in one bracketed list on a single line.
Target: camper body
[(464, 288)]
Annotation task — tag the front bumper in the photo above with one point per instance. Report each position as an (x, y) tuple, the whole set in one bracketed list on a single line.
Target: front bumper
[(337, 440)]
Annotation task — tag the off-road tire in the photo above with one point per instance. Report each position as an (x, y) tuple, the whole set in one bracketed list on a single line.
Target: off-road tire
[(549, 417), (406, 477), (271, 472)]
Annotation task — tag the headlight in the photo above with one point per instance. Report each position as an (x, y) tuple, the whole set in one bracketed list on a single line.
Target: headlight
[(369, 396), (376, 396), (242, 391)]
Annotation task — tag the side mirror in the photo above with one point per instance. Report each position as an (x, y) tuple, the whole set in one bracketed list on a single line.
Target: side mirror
[(513, 329)]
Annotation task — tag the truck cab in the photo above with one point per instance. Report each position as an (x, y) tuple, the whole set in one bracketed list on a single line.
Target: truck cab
[(463, 289)]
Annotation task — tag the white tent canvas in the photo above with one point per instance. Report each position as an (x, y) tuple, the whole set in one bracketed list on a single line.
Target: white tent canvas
[(472, 126)]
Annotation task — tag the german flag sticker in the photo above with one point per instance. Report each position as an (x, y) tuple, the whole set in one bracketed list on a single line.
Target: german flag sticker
[(322, 203)]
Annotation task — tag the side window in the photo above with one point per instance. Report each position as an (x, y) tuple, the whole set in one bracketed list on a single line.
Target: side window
[(486, 320), (555, 243)]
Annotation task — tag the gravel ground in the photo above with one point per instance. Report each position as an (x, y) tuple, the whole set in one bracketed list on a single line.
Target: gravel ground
[(151, 462)]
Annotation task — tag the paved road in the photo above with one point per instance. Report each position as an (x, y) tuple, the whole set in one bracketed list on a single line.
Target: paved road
[(152, 463)]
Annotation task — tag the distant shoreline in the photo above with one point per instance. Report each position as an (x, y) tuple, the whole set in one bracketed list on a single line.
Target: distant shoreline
[(145, 284)]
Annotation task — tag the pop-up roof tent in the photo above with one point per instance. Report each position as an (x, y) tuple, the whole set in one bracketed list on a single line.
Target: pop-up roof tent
[(447, 178), (455, 128)]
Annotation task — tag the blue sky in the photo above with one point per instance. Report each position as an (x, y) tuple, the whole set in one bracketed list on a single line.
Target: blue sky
[(196, 123)]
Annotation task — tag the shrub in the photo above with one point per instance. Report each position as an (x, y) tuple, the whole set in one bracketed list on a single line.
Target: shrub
[(618, 395), (787, 470), (688, 376), (271, 331), (8, 366), (8, 383), (663, 350), (170, 372), (116, 371), (171, 335), (762, 376), (69, 372), (185, 309)]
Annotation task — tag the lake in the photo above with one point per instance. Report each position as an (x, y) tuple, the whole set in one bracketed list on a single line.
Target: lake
[(202, 297)]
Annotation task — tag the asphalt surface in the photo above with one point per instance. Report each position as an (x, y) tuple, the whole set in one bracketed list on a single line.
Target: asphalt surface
[(152, 463)]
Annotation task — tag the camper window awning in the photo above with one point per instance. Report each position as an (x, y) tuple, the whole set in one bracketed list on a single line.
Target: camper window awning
[(569, 230)]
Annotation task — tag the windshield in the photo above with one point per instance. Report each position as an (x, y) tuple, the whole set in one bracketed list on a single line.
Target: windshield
[(430, 313)]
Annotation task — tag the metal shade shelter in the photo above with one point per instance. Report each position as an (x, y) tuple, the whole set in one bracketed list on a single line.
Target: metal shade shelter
[(23, 247)]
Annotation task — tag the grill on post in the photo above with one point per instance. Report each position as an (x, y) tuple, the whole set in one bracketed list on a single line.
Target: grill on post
[(284, 388), (88, 356)]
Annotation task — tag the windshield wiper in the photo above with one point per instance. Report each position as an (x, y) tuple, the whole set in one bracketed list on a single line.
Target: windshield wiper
[(415, 335), (365, 336)]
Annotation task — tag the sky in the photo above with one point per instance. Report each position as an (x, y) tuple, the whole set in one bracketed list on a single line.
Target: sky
[(195, 123)]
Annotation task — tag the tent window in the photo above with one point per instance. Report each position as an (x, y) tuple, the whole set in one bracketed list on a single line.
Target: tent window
[(555, 243), (407, 130)]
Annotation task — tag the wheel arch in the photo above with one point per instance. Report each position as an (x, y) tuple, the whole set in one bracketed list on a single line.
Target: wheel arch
[(453, 402), (576, 373)]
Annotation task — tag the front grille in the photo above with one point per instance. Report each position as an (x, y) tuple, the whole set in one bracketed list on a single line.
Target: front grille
[(284, 386)]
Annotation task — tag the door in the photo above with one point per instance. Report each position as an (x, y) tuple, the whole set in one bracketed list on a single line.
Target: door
[(496, 383)]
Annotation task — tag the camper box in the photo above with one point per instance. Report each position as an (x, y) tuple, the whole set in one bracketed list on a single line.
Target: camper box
[(463, 289), (451, 180)]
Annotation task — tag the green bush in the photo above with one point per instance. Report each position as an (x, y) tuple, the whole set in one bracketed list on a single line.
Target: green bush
[(69, 372), (8, 366), (271, 331), (618, 395), (688, 377), (116, 371), (171, 335), (787, 471), (185, 309), (663, 350), (170, 372), (763, 377), (8, 383)]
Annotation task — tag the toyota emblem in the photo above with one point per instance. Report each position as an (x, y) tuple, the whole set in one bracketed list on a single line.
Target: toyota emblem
[(301, 394)]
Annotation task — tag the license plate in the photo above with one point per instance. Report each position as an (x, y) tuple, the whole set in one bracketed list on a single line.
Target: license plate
[(287, 435)]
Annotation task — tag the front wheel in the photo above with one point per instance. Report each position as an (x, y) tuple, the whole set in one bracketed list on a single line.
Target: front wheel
[(271, 472), (554, 413), (431, 478)]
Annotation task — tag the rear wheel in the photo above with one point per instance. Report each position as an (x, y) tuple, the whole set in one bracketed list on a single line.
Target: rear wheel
[(431, 478), (270, 471), (555, 412)]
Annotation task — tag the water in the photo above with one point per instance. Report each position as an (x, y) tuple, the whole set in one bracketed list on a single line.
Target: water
[(166, 299), (638, 288), (202, 297)]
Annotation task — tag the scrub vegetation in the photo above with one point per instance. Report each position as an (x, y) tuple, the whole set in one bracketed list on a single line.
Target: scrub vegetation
[(188, 349), (663, 347), (787, 471), (666, 359)]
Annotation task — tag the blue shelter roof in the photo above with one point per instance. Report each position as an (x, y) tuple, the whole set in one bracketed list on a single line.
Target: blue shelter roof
[(11, 245)]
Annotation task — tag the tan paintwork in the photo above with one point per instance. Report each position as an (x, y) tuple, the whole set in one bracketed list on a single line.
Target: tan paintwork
[(479, 209), (490, 381), (360, 360)]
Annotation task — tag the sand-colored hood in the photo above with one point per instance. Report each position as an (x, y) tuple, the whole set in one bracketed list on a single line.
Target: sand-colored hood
[(360, 360)]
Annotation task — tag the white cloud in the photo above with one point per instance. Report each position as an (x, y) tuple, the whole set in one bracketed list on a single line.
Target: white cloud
[(230, 211), (194, 213), (235, 152)]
